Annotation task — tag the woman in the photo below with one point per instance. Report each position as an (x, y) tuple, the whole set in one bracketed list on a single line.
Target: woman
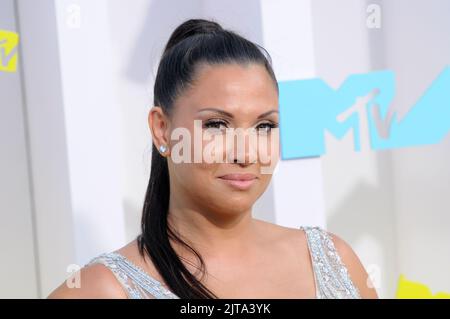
[(199, 239)]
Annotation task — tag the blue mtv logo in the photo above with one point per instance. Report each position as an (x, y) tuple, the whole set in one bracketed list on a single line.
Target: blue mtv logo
[(309, 108)]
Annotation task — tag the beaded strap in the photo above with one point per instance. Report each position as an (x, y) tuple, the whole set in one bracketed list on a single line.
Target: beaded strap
[(136, 282), (330, 274)]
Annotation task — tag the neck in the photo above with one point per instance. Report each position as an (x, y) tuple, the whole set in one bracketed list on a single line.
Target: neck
[(209, 231)]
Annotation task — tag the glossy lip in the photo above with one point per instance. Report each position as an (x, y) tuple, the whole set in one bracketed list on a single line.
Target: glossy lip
[(239, 181)]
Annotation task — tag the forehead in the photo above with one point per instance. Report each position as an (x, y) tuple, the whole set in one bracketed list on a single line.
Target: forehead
[(235, 88)]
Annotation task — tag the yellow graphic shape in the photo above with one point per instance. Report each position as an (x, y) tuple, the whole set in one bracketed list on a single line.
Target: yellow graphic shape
[(415, 290), (8, 50)]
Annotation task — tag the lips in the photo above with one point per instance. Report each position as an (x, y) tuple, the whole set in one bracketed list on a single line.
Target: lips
[(239, 181)]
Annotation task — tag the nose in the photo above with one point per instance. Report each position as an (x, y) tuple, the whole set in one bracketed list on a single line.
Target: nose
[(244, 152), (244, 163)]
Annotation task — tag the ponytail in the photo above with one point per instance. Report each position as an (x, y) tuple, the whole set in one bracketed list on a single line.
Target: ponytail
[(193, 42)]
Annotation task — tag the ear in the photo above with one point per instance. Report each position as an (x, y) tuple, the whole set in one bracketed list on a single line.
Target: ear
[(159, 125)]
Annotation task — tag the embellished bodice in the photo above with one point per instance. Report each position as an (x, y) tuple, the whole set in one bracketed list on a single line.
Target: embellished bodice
[(331, 276)]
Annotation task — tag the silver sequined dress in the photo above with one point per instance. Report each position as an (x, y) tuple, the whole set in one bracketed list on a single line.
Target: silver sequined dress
[(332, 279)]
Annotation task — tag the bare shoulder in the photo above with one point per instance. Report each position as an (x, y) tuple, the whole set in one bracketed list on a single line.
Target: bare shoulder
[(297, 238), (95, 281), (354, 266), (291, 239)]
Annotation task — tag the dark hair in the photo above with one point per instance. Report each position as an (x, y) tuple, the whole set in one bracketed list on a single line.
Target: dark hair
[(194, 42)]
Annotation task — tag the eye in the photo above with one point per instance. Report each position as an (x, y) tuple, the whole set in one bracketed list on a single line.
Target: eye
[(216, 124), (266, 127)]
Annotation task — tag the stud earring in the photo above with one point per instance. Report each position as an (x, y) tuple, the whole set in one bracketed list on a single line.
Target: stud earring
[(163, 148)]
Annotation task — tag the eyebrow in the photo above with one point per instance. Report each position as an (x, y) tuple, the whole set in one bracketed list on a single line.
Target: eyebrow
[(231, 115)]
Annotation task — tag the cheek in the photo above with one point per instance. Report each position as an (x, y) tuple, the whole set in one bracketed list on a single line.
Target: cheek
[(197, 179), (265, 180), (268, 155), (192, 173)]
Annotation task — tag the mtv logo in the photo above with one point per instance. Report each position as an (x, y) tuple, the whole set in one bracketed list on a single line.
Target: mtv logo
[(8, 50), (310, 108)]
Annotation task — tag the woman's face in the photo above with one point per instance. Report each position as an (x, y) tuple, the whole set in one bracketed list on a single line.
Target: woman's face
[(224, 97)]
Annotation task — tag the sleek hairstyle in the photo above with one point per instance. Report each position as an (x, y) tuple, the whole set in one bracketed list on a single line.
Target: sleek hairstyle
[(194, 42)]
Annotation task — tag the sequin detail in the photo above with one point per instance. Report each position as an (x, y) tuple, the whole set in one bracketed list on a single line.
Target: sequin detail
[(331, 276), (136, 282)]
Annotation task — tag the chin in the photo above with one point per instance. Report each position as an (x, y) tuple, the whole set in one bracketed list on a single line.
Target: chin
[(238, 202)]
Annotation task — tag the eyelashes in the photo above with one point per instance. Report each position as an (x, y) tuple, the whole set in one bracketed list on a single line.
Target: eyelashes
[(267, 127), (215, 124), (222, 125)]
